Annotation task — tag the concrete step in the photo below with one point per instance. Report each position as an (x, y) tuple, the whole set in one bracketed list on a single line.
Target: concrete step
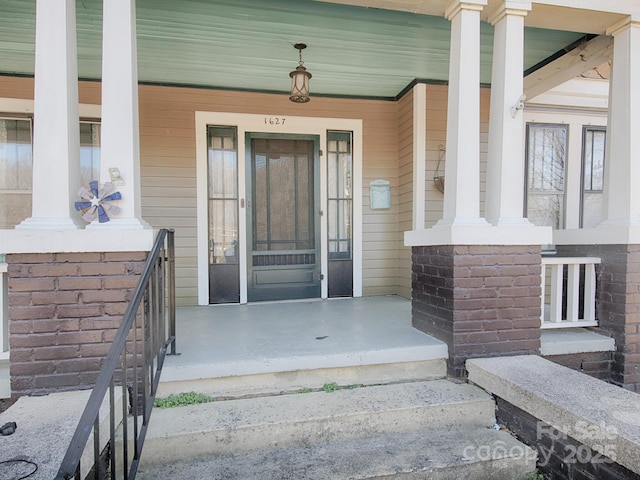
[(283, 346), (476, 453), (232, 380), (601, 416), (242, 425), (275, 374)]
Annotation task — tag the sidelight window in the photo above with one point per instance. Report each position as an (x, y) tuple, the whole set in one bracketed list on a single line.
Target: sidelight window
[(223, 195), (340, 195)]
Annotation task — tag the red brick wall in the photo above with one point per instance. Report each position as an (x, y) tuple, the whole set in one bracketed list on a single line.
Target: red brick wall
[(481, 300), (617, 305), (595, 364), (64, 309), (560, 456)]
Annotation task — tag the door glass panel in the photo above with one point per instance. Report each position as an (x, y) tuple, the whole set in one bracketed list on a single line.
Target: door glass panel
[(283, 193), (546, 158), (592, 175)]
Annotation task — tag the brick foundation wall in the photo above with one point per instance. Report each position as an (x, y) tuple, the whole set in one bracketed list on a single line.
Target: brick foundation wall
[(64, 310), (617, 305), (560, 456), (594, 364), (481, 300)]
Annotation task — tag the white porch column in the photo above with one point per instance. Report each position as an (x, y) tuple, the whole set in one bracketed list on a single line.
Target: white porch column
[(622, 171), (56, 138), (120, 142), (505, 162), (419, 154), (462, 169)]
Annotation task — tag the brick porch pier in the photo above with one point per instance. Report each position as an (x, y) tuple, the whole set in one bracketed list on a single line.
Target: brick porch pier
[(64, 309), (483, 301), (617, 305)]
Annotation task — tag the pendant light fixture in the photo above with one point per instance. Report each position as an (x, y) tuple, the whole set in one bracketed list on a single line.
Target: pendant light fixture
[(300, 79)]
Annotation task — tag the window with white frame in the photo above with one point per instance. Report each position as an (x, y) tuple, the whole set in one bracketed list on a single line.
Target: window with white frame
[(545, 180), (593, 151), (89, 151), (16, 164), (15, 170)]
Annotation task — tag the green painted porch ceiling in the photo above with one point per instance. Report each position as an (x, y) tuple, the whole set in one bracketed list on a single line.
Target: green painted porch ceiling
[(248, 44)]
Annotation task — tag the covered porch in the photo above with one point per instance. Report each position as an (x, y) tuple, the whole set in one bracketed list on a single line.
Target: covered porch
[(469, 257), (300, 344), (305, 344)]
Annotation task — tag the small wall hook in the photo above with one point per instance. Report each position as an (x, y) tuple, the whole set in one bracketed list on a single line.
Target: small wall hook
[(518, 106)]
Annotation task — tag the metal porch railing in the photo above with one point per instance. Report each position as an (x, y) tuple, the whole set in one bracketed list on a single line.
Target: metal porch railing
[(568, 292), (132, 367)]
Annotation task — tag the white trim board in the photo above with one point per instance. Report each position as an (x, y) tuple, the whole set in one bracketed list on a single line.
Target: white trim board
[(25, 106)]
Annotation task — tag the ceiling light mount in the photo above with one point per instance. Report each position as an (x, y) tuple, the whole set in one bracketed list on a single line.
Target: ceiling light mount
[(300, 79)]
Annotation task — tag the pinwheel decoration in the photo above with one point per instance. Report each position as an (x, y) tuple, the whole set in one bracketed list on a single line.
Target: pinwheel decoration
[(93, 204)]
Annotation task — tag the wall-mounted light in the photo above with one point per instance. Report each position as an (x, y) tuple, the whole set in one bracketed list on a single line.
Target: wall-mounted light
[(300, 79)]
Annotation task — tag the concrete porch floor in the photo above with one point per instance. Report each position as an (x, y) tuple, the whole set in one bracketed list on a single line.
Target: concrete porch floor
[(263, 338)]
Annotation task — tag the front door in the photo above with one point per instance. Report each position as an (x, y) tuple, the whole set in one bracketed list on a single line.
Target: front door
[(282, 218)]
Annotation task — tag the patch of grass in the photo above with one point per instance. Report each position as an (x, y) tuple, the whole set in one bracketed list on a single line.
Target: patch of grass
[(330, 387), (181, 400)]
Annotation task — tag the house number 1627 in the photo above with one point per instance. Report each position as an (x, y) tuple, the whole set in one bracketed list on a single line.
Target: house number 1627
[(274, 120)]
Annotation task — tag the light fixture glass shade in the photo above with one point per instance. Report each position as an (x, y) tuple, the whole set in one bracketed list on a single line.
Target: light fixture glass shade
[(300, 85)]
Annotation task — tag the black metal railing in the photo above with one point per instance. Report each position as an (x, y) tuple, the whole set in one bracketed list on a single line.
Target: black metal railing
[(132, 366)]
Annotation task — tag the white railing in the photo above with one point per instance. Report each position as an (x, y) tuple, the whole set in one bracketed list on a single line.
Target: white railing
[(4, 312), (556, 296)]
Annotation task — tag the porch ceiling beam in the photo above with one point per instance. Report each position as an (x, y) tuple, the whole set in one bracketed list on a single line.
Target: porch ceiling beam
[(585, 57), (425, 7), (587, 16), (624, 7), (556, 16), (438, 7)]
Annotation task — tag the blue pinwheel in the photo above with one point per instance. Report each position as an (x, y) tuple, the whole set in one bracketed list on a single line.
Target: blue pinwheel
[(93, 204)]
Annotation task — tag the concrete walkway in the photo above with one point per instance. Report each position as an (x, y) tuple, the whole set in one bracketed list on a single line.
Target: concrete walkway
[(45, 426)]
